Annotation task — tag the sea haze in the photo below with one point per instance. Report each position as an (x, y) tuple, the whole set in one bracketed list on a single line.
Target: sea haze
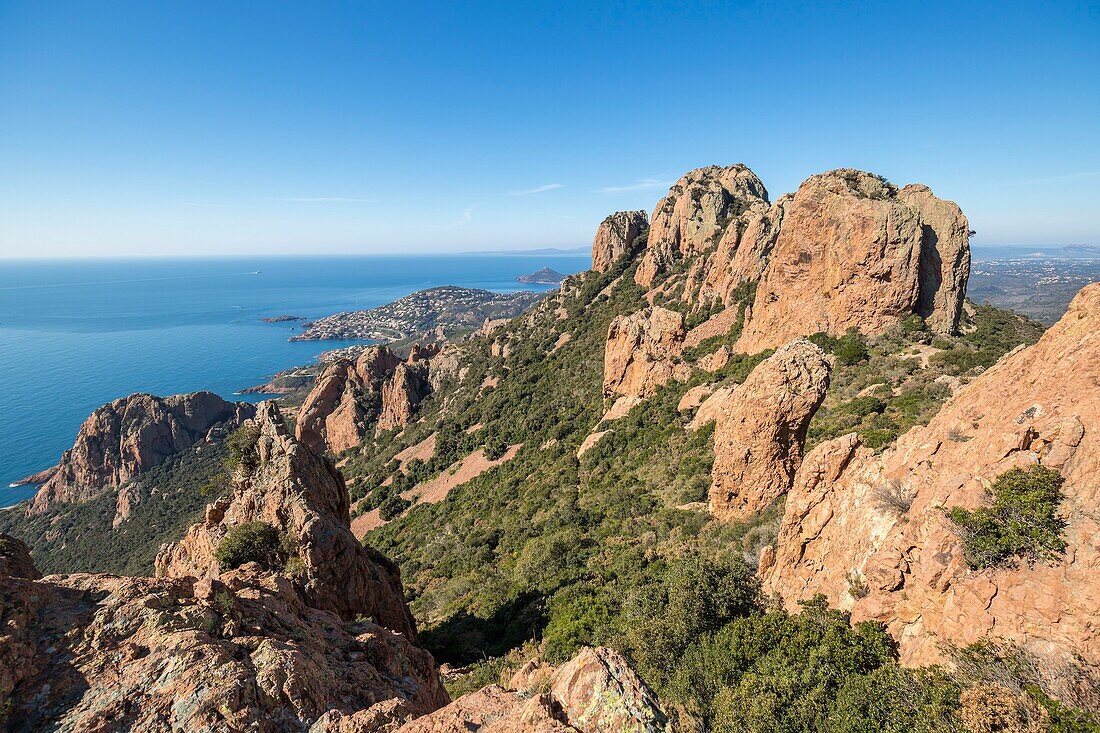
[(76, 334)]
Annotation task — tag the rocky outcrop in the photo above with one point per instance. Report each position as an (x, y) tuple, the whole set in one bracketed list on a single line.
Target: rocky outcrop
[(15, 559), (760, 429), (304, 497), (244, 652), (854, 252), (871, 532), (695, 215), (945, 257), (615, 237), (378, 390), (595, 692), (642, 352), (131, 435)]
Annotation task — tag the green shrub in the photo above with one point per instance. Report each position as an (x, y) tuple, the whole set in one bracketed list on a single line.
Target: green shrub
[(1023, 521), (393, 507), (250, 542), (495, 448), (242, 448), (848, 349)]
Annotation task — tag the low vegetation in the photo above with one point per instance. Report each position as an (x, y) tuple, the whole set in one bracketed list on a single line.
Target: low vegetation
[(250, 542), (1021, 524)]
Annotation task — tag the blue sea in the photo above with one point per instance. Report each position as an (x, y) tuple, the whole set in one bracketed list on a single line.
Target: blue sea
[(79, 333)]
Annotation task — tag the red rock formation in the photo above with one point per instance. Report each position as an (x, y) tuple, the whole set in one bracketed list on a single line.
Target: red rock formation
[(595, 692), (304, 497), (854, 252), (376, 391), (131, 435), (761, 428), (642, 352), (615, 236), (695, 215), (870, 531), (15, 559), (245, 652)]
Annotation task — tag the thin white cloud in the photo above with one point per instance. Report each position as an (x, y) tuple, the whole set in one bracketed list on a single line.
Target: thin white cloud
[(540, 189), (325, 200), (642, 185)]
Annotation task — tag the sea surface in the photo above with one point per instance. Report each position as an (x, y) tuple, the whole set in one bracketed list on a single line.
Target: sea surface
[(76, 334)]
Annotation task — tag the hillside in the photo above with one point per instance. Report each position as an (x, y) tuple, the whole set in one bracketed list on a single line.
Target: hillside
[(448, 309)]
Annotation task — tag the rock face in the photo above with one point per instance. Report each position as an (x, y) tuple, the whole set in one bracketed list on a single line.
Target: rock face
[(870, 531), (377, 390), (15, 559), (615, 236), (695, 215), (642, 352), (760, 429), (131, 435), (595, 692), (854, 252), (245, 652), (304, 497)]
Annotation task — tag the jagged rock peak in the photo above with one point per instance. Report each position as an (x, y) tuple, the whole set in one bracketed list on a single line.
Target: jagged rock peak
[(696, 213), (304, 498), (870, 531), (378, 390), (134, 434), (615, 237), (760, 429), (854, 251)]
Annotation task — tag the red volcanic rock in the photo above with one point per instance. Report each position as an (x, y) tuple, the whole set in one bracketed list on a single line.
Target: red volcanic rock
[(879, 521), (615, 236), (854, 252), (131, 435), (761, 428), (304, 497), (376, 391), (642, 352)]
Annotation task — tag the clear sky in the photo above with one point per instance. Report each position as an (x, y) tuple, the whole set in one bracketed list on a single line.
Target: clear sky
[(230, 127)]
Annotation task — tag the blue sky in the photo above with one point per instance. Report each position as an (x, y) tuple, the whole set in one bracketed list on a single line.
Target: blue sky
[(218, 128)]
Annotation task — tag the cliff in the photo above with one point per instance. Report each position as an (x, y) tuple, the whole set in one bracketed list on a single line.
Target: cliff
[(132, 435)]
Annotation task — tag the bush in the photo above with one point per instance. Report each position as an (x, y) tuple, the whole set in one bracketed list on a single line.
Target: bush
[(1022, 523), (849, 349), (393, 507), (495, 448), (250, 542), (242, 448)]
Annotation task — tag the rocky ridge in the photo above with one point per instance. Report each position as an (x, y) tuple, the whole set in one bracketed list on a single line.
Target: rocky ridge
[(615, 237), (131, 435), (377, 391), (327, 645)]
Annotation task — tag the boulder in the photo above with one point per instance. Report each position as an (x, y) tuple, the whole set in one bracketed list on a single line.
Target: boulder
[(642, 352), (760, 429)]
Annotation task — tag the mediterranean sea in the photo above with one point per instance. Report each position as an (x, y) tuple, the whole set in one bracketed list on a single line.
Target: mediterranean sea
[(76, 334)]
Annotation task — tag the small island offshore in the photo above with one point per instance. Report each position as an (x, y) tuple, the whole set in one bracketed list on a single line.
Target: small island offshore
[(545, 276)]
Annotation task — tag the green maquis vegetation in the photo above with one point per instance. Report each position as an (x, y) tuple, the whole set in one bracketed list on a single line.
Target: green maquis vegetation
[(249, 542), (614, 547), (1022, 523)]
